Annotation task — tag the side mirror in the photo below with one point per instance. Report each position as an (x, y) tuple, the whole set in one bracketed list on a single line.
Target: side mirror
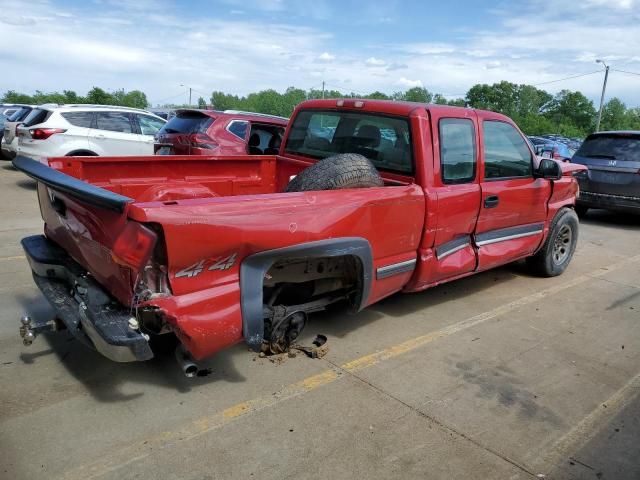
[(549, 169)]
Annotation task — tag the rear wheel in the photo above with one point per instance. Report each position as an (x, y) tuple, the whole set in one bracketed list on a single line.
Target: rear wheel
[(556, 253), (346, 170)]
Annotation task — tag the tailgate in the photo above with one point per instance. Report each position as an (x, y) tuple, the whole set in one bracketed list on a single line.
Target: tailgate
[(90, 224)]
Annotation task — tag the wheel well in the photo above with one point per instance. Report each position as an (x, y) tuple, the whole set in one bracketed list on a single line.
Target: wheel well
[(297, 281), (81, 153), (257, 268)]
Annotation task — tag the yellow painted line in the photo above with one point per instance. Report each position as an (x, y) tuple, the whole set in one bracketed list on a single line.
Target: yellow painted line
[(16, 257), (592, 424), (201, 426)]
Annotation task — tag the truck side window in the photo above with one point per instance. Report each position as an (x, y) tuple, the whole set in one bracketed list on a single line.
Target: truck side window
[(457, 150), (506, 154)]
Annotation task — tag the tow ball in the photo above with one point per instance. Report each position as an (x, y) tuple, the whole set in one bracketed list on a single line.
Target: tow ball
[(29, 329)]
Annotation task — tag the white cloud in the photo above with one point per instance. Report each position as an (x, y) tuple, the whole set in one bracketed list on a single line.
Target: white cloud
[(375, 62), (326, 57), (429, 48), (494, 64), (407, 83)]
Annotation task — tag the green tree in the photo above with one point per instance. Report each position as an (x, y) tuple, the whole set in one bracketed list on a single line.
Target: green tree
[(100, 97), (136, 99), (11, 96), (418, 94), (439, 99), (224, 101), (202, 103), (614, 115), (378, 96), (632, 119), (571, 109)]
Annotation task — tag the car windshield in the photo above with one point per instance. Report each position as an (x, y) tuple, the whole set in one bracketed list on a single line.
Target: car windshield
[(622, 147), (188, 122), (384, 140)]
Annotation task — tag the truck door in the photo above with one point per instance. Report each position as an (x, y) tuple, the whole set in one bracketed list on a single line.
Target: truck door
[(457, 186), (514, 203)]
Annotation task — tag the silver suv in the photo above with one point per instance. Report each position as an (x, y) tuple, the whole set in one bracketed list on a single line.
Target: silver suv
[(62, 130)]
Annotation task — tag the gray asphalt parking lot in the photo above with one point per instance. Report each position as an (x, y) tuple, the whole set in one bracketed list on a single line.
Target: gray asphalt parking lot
[(500, 375)]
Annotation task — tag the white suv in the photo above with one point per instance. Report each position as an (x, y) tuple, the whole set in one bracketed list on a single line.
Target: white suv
[(63, 130)]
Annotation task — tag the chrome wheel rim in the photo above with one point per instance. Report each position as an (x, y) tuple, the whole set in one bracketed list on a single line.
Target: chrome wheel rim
[(562, 244)]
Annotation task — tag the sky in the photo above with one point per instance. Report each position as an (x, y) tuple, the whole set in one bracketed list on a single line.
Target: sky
[(241, 46)]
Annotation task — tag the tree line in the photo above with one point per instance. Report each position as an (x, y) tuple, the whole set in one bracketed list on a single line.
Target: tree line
[(536, 111), (97, 96)]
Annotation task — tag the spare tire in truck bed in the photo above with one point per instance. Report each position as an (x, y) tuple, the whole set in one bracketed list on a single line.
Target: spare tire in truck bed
[(345, 170)]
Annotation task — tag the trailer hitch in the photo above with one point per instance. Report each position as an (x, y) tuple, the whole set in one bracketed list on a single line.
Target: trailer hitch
[(29, 330)]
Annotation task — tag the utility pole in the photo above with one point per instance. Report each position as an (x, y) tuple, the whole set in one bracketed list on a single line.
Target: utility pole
[(604, 87), (323, 89), (182, 85)]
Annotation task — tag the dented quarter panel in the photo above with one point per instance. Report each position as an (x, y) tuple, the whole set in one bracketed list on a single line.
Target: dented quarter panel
[(204, 230)]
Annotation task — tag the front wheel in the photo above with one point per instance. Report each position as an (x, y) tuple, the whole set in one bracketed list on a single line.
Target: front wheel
[(556, 253)]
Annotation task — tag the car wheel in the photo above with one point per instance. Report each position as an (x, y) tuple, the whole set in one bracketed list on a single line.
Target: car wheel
[(556, 252), (346, 170)]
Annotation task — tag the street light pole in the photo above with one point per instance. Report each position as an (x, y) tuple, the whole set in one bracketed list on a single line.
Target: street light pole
[(604, 87), (182, 85)]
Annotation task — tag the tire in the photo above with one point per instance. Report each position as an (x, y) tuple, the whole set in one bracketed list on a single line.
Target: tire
[(556, 253), (346, 170), (581, 210)]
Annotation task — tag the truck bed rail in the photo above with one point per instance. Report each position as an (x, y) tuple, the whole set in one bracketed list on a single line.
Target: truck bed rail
[(96, 196)]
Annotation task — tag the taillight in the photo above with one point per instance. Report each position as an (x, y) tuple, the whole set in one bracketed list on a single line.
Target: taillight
[(44, 133), (201, 140), (134, 246)]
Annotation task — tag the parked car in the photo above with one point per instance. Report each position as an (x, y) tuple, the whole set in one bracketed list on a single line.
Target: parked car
[(8, 137), (6, 110), (613, 179), (546, 147), (87, 130), (165, 114), (212, 132), (247, 246)]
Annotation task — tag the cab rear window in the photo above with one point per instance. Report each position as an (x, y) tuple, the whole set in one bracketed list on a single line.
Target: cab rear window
[(620, 147), (188, 122), (384, 140)]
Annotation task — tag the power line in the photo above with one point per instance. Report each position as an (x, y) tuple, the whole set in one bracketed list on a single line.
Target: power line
[(566, 78), (625, 71)]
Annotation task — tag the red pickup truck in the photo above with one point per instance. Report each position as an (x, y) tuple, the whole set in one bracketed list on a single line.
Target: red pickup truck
[(366, 198)]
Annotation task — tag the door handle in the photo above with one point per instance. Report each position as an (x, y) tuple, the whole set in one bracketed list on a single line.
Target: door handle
[(491, 201)]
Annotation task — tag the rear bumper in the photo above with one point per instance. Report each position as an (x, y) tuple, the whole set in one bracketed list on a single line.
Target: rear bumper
[(609, 202), (87, 311)]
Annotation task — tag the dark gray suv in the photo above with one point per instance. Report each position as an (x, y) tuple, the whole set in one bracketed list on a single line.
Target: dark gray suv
[(613, 179)]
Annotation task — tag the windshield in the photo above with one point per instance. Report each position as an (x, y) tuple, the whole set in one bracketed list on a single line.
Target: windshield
[(187, 122), (622, 147), (384, 140)]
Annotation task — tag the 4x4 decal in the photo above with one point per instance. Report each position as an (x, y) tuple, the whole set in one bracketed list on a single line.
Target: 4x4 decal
[(218, 263)]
